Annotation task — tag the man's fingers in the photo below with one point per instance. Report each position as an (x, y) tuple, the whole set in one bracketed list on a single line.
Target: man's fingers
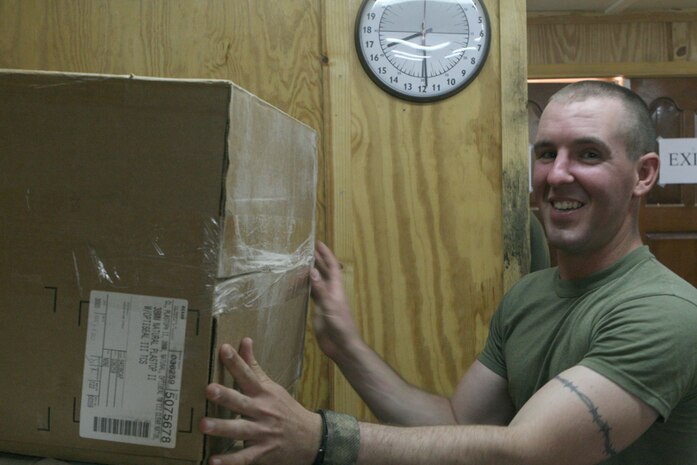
[(240, 430), (245, 456), (247, 354), (324, 258), (237, 429), (230, 399), (315, 275), (326, 262), (245, 377), (321, 264), (321, 247), (318, 287)]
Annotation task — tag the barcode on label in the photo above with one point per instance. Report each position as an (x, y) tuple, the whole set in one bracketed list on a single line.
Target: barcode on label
[(133, 428)]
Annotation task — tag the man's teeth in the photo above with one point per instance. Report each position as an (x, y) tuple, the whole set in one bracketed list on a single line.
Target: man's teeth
[(567, 205)]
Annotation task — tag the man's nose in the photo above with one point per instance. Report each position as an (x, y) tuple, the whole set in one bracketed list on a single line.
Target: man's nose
[(560, 171)]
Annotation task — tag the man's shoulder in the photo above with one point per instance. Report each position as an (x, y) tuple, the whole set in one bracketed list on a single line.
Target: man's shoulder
[(531, 288), (653, 277), (541, 278)]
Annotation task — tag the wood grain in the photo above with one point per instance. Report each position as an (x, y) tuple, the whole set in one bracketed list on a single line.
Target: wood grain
[(427, 199), (514, 141), (640, 16), (647, 37), (598, 43), (629, 69)]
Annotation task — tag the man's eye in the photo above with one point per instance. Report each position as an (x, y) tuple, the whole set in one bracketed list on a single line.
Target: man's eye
[(549, 155), (590, 155)]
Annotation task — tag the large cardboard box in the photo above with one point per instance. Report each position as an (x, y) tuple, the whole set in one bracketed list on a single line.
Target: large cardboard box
[(114, 186)]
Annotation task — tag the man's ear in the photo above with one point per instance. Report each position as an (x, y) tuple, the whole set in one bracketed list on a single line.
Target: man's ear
[(647, 173)]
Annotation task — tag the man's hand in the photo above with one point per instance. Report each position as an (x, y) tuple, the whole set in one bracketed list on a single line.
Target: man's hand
[(333, 323), (274, 427)]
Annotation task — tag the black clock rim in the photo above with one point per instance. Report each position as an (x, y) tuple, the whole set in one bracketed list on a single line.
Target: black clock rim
[(411, 98)]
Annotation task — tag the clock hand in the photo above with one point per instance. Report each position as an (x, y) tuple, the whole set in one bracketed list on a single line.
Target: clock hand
[(430, 29), (424, 70), (405, 38)]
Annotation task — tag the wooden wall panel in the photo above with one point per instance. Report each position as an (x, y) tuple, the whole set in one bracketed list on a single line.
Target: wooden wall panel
[(592, 43), (584, 39), (514, 140), (423, 245), (427, 211), (684, 41)]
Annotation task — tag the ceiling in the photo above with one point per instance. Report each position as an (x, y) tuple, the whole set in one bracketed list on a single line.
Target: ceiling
[(609, 6)]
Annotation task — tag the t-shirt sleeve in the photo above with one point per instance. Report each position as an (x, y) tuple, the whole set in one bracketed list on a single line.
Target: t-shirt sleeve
[(492, 356), (648, 347)]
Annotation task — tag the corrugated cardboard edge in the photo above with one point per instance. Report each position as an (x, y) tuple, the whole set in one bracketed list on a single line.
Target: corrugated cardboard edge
[(299, 261), (101, 76)]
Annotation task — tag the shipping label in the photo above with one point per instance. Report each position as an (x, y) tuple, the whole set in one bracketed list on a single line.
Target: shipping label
[(133, 368)]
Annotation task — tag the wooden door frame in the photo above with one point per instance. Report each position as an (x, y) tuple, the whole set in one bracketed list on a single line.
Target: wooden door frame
[(629, 70)]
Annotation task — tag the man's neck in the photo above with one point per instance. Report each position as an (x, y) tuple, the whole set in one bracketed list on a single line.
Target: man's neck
[(581, 265)]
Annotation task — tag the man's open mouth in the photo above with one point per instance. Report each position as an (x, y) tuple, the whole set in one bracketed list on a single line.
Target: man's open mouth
[(567, 205)]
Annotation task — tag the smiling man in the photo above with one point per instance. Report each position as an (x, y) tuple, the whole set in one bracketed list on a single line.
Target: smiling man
[(595, 160), (590, 362)]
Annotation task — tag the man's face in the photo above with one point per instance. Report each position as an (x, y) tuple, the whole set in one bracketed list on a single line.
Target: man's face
[(583, 180)]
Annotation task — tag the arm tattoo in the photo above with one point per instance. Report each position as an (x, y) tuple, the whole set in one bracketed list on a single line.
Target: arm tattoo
[(603, 426)]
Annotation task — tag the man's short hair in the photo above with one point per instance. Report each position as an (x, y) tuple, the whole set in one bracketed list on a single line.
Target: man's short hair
[(637, 129)]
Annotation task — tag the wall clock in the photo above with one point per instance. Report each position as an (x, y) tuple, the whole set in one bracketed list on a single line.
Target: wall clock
[(422, 50)]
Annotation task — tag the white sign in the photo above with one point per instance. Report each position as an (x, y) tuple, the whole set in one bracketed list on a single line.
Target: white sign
[(133, 369), (678, 161)]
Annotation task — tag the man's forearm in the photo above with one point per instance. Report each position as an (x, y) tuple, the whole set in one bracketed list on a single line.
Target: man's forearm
[(441, 445), (391, 399)]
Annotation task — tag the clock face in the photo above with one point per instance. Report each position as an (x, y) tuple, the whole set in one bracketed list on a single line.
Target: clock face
[(422, 50)]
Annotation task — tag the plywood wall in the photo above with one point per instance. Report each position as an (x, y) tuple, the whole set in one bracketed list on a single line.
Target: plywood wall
[(641, 44), (419, 201), (416, 214)]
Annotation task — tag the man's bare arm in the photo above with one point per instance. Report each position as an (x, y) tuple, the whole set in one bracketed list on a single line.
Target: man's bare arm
[(578, 418), (481, 397)]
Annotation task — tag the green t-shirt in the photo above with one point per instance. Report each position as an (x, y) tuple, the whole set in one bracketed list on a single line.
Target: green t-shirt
[(634, 323)]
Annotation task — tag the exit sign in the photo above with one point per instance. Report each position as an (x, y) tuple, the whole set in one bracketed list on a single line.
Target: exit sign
[(678, 161)]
